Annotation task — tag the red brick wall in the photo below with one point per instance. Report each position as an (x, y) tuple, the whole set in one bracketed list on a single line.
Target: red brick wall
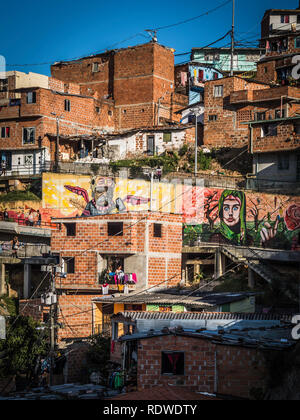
[(239, 369), (93, 236)]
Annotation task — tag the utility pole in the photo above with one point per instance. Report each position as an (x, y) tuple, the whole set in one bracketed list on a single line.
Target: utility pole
[(57, 138), (196, 144), (52, 324), (232, 38)]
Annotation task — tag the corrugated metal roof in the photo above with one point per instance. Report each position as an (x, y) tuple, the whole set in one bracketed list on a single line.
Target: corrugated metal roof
[(202, 316), (206, 300)]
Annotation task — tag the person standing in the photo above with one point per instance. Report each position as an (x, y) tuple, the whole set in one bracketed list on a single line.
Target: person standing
[(5, 215), (3, 167), (15, 246), (39, 220)]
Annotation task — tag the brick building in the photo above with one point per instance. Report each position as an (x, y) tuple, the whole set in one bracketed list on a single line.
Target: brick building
[(28, 122), (209, 352), (222, 116), (140, 81), (147, 244), (280, 37)]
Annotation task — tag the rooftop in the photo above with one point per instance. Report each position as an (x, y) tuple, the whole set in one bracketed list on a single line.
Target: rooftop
[(199, 301)]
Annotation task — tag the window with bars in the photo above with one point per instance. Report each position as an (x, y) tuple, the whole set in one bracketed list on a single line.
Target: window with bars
[(67, 105), (212, 118), (244, 116), (218, 91)]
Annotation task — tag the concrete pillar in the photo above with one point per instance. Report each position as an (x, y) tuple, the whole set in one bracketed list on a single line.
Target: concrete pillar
[(27, 281), (251, 278), (3, 289), (220, 264)]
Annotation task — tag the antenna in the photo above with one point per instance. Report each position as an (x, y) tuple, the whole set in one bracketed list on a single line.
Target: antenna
[(153, 34)]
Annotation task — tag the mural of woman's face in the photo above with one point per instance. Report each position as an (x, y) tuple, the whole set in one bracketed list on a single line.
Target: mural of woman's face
[(231, 211)]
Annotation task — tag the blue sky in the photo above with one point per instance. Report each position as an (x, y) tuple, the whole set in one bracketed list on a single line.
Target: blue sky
[(43, 31)]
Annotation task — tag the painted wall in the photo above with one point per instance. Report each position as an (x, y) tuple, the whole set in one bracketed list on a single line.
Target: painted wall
[(165, 308), (242, 62), (256, 219), (249, 219)]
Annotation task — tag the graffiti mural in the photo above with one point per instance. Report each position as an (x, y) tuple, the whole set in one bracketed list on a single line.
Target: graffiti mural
[(248, 219)]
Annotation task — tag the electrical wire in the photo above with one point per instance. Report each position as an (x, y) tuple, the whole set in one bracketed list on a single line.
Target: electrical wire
[(193, 18)]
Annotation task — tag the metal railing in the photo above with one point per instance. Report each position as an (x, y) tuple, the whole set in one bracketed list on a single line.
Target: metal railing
[(25, 250), (27, 222)]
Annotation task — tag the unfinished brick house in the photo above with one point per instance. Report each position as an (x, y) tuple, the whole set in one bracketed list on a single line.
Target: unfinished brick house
[(222, 116), (211, 352), (280, 36), (29, 122), (147, 244), (140, 81)]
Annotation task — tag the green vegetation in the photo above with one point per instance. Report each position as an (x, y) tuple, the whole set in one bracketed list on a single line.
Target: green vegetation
[(183, 160), (9, 304), (19, 196), (98, 355), (22, 348)]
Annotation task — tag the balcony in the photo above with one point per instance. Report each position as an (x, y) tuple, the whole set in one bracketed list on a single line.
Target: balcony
[(262, 95), (18, 108), (241, 96)]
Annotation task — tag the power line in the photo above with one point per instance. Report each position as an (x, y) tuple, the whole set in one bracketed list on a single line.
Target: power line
[(193, 18)]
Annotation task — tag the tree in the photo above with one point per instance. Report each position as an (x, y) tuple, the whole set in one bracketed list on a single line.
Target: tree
[(24, 345)]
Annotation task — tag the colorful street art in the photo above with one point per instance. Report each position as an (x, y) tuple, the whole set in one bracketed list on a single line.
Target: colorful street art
[(210, 215), (248, 219)]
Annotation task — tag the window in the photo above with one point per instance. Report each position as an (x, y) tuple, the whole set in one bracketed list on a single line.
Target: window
[(5, 132), (97, 109), (285, 19), (172, 363), (28, 160), (31, 97), (200, 75), (67, 105), (3, 85), (150, 145), (213, 118), (95, 67), (28, 135), (260, 116), (115, 228), (218, 91), (167, 137), (71, 229), (297, 42), (157, 228), (283, 162), (279, 114), (269, 130), (298, 18), (68, 265), (297, 128)]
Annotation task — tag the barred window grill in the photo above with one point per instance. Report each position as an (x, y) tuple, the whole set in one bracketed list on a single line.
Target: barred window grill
[(244, 116)]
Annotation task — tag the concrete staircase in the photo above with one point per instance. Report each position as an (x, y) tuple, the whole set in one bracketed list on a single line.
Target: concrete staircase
[(264, 269)]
